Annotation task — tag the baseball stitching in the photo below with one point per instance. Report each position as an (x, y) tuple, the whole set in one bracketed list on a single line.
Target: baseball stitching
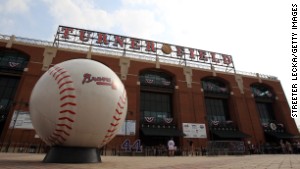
[(117, 116), (67, 105)]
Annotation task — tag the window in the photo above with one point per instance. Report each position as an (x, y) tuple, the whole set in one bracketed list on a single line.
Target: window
[(157, 105), (264, 99), (12, 61), (216, 109), (8, 86), (156, 79), (261, 91), (156, 96), (265, 111), (213, 85), (216, 99)]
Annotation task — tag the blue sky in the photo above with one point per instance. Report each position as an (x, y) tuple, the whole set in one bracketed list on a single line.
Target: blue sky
[(256, 33)]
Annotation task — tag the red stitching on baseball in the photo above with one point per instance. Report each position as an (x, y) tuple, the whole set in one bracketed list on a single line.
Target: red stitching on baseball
[(68, 103), (116, 118), (67, 89), (67, 111), (105, 139), (123, 100), (65, 83), (62, 131), (117, 111), (108, 136), (62, 78), (121, 107), (51, 70), (60, 74), (56, 67), (51, 139), (64, 125), (66, 118), (111, 130), (67, 96), (114, 124), (59, 136), (59, 69)]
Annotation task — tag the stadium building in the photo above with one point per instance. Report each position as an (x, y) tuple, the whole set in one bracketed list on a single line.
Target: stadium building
[(192, 95)]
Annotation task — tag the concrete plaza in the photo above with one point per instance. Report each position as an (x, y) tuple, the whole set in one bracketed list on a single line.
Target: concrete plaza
[(34, 161)]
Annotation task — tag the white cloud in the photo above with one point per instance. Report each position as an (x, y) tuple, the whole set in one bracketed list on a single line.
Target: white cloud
[(9, 10), (138, 2), (6, 25), (244, 30), (15, 6), (84, 15), (255, 33), (80, 14), (138, 23)]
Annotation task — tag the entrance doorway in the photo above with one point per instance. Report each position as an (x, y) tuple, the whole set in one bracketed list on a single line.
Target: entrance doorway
[(8, 87), (157, 145)]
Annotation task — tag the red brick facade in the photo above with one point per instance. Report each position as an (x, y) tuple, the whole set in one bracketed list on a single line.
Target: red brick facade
[(188, 102)]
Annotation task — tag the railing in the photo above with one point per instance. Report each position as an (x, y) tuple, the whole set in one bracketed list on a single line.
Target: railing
[(111, 52), (23, 147), (225, 147), (226, 124), (263, 76)]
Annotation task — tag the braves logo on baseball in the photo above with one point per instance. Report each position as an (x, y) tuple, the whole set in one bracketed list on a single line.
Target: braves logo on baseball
[(106, 81), (67, 112)]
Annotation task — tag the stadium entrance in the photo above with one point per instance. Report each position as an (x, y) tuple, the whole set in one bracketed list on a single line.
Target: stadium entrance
[(12, 64)]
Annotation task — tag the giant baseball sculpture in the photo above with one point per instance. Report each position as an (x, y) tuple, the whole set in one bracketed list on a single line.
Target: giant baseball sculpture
[(78, 103)]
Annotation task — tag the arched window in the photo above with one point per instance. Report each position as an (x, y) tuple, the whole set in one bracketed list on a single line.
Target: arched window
[(216, 99), (156, 96), (262, 92), (213, 86), (264, 98), (12, 64), (156, 79), (12, 61)]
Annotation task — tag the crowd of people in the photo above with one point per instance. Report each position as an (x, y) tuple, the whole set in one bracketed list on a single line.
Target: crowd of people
[(170, 149), (283, 147)]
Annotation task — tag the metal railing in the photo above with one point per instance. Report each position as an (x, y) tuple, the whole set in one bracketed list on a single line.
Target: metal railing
[(23, 147), (225, 148)]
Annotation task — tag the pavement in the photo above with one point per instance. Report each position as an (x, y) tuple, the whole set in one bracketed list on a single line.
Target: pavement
[(34, 161)]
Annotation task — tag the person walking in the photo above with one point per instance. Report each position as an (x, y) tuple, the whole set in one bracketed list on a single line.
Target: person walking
[(283, 147), (289, 147), (171, 147), (191, 148)]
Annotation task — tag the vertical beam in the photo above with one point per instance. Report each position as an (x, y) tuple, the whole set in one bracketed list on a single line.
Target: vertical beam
[(213, 71), (157, 65), (239, 81), (259, 78), (49, 54), (10, 42), (124, 64), (89, 54), (188, 72)]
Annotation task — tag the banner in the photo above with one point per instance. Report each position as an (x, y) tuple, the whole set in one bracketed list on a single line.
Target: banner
[(128, 128), (149, 119), (194, 130), (21, 120)]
